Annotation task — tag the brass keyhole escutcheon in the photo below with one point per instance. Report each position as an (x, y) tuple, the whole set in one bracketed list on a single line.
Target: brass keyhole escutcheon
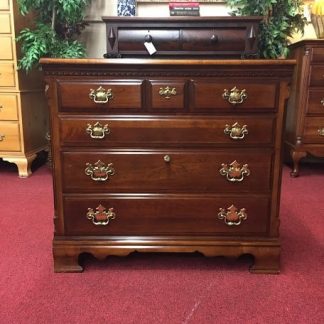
[(322, 102), (2, 137), (167, 92), (321, 131)]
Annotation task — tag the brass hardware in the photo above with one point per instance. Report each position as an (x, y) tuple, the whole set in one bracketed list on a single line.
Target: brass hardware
[(167, 92), (100, 96), (232, 217), (1, 107), (322, 102), (234, 172), (167, 158), (101, 216), (99, 171), (236, 131), (97, 130), (2, 137), (321, 131), (235, 96)]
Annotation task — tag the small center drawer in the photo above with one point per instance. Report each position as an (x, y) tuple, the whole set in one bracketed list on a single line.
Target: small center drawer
[(9, 136), (167, 171), (184, 130), (167, 215), (233, 96), (8, 107), (101, 97)]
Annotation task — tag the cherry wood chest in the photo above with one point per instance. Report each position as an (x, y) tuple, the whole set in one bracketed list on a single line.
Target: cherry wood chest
[(305, 113), (166, 155)]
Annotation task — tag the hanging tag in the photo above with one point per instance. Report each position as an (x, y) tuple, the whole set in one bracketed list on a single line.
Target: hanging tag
[(150, 47)]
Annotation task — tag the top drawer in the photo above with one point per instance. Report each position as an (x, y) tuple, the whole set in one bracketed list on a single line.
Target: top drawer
[(209, 95), (101, 96), (5, 26), (318, 54)]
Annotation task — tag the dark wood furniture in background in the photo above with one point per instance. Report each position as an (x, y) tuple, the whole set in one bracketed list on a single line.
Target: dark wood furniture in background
[(165, 155), (222, 37), (305, 114)]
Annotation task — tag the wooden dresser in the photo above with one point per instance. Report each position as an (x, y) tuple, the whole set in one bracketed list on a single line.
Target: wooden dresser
[(23, 112), (166, 155), (305, 113)]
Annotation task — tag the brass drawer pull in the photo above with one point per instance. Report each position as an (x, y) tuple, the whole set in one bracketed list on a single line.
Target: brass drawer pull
[(167, 158), (101, 216), (167, 92), (100, 96), (234, 172), (2, 137), (231, 216), (1, 107), (235, 96), (236, 131), (97, 130), (322, 102), (321, 131), (99, 171)]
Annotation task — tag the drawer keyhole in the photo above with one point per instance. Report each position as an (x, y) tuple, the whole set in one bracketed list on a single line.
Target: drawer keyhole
[(167, 158)]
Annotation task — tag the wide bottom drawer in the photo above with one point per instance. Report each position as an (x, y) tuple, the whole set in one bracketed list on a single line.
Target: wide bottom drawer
[(166, 215)]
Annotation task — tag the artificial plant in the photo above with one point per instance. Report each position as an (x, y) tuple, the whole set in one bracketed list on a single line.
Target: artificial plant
[(57, 24), (282, 18)]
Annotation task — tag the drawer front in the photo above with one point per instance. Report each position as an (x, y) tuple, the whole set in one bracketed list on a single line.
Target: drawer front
[(315, 103), (6, 48), (167, 95), (132, 39), (215, 39), (317, 75), (167, 171), (101, 97), (166, 215), (9, 136), (233, 96), (5, 25), (318, 54), (314, 130), (4, 5), (117, 131), (8, 107), (7, 75)]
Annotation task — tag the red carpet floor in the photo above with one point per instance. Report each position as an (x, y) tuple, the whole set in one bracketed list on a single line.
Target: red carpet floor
[(153, 288)]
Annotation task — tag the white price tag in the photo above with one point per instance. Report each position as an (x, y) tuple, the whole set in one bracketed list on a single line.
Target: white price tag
[(150, 48)]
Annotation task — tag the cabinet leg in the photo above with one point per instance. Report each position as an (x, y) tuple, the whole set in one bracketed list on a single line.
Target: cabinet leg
[(64, 263), (266, 263), (23, 163), (296, 157)]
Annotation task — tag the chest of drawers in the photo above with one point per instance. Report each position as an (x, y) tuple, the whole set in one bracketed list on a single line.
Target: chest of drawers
[(167, 156), (23, 113), (305, 113)]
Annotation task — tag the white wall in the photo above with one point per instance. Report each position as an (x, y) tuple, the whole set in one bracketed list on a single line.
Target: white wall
[(94, 35)]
